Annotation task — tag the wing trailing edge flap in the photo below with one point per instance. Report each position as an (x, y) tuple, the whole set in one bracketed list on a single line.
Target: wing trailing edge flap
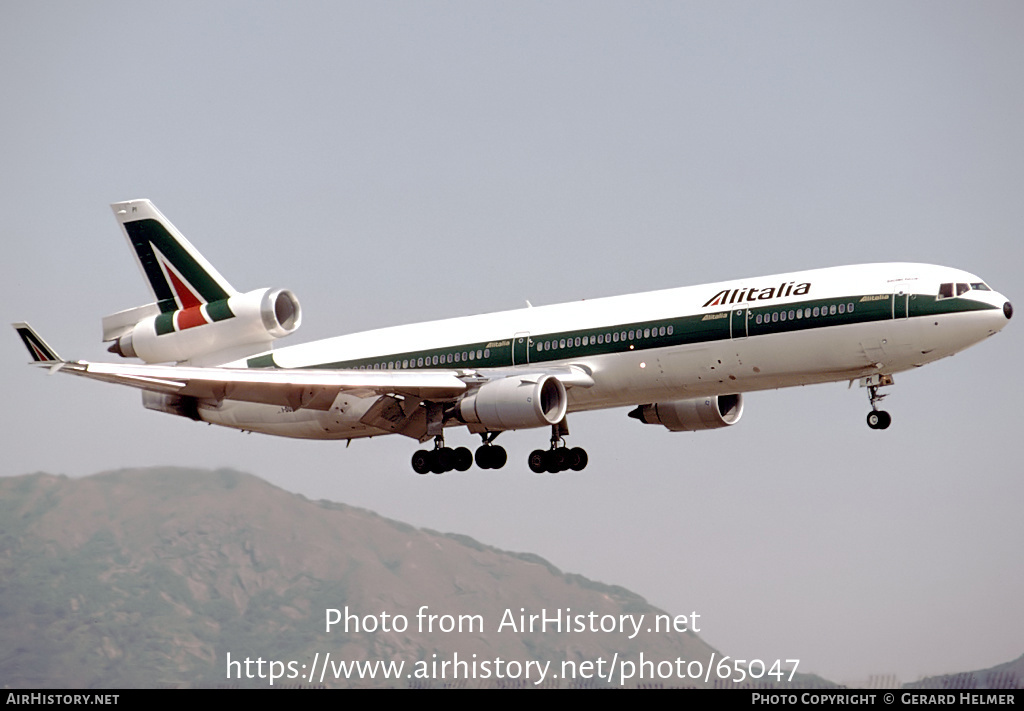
[(402, 416)]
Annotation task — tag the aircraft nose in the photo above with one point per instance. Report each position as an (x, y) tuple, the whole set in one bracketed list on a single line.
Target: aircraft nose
[(1008, 310)]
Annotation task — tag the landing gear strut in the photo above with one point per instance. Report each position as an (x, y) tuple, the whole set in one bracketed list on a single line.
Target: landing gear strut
[(559, 457), (441, 459), (877, 419)]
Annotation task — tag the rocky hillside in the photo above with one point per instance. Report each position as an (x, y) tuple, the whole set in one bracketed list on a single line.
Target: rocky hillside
[(142, 578)]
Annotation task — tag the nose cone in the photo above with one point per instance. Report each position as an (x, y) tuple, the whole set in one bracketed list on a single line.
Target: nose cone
[(1008, 310)]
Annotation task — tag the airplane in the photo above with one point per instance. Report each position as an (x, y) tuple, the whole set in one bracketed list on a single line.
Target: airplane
[(681, 358)]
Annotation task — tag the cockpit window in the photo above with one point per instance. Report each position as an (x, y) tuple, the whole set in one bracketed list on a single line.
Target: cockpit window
[(980, 286), (962, 289), (946, 290)]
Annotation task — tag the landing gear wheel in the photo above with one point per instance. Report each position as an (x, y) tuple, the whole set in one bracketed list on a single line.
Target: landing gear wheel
[(491, 456), (463, 459), (498, 457), (483, 457), (559, 460), (578, 459), (879, 419), (538, 461), (421, 461), (444, 460)]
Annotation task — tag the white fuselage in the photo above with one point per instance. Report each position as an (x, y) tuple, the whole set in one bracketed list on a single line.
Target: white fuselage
[(732, 337)]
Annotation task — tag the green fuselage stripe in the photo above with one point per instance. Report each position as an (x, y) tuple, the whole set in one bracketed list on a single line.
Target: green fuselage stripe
[(219, 310), (739, 322)]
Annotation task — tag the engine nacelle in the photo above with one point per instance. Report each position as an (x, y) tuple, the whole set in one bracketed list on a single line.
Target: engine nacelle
[(515, 402), (244, 321), (700, 413)]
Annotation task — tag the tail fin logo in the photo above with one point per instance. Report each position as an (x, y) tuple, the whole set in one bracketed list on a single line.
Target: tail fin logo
[(178, 279), (37, 347), (187, 298)]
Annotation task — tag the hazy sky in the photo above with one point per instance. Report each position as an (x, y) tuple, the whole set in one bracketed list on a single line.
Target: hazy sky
[(396, 162)]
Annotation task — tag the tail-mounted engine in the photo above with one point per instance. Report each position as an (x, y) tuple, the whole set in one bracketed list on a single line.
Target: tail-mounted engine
[(515, 402), (701, 413), (231, 328)]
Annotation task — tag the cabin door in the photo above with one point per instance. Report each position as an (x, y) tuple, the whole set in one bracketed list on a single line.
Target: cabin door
[(900, 303), (738, 320), (521, 348)]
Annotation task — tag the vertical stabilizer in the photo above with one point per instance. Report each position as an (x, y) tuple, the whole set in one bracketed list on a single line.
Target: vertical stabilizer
[(179, 276)]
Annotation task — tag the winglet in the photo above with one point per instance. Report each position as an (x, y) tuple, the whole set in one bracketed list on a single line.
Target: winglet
[(37, 347)]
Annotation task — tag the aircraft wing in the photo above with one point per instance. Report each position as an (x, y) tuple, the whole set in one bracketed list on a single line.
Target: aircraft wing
[(295, 388)]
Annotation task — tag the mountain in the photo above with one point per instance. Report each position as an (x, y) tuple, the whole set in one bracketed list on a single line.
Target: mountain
[(1009, 675), (153, 577)]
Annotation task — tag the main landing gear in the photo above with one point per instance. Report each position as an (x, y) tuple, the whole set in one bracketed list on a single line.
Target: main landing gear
[(559, 457), (877, 419), (443, 459)]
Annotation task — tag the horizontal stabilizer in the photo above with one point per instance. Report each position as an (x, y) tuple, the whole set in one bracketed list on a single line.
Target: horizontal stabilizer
[(117, 325)]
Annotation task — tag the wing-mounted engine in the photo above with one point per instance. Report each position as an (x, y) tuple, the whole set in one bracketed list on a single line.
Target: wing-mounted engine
[(515, 402), (701, 413), (213, 332)]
